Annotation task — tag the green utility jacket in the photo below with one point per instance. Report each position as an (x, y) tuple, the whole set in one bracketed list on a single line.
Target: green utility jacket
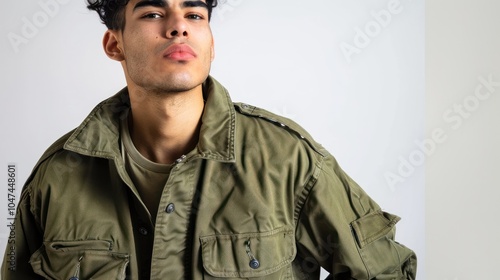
[(256, 199)]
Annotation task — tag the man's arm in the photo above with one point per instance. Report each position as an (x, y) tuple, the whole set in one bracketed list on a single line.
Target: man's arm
[(344, 231), (27, 240)]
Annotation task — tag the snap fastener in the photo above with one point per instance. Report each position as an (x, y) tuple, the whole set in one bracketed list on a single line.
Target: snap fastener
[(254, 264), (143, 231), (170, 208)]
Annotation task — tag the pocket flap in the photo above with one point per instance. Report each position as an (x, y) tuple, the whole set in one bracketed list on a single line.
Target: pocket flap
[(93, 259), (235, 255), (380, 253), (373, 226)]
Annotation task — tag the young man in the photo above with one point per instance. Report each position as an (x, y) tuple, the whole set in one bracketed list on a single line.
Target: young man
[(168, 179)]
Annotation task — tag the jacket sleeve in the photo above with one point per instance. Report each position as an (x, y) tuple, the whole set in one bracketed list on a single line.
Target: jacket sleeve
[(341, 229), (25, 238)]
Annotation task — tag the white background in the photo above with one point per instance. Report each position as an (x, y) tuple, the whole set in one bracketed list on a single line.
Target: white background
[(372, 109), (462, 176)]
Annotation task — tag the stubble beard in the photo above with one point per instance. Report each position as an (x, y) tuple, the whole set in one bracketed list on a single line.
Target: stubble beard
[(167, 83)]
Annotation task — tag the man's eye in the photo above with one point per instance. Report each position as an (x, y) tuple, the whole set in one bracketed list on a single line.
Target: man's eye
[(152, 16), (194, 16)]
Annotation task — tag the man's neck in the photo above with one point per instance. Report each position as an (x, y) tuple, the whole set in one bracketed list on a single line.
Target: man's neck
[(164, 127)]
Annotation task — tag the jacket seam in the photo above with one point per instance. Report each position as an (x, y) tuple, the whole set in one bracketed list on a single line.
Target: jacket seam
[(230, 144), (29, 190), (306, 191)]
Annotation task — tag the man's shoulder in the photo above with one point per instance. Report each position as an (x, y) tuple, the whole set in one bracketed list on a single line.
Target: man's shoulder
[(70, 147), (277, 125), (58, 145), (114, 105), (49, 153)]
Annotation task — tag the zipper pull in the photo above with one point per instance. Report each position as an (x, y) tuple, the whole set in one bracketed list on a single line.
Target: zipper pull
[(181, 159), (76, 276), (254, 263)]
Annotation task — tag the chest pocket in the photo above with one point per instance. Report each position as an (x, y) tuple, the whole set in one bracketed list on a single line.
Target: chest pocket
[(87, 259), (265, 255)]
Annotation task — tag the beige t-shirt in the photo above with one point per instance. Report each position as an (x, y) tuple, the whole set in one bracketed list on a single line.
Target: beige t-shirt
[(148, 177)]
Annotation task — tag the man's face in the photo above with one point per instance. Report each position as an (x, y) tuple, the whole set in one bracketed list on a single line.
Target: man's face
[(167, 45)]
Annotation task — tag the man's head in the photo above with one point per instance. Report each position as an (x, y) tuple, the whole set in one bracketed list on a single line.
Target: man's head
[(163, 45), (112, 15)]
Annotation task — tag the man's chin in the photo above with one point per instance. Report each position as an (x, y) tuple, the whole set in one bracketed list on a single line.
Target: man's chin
[(174, 86), (170, 81)]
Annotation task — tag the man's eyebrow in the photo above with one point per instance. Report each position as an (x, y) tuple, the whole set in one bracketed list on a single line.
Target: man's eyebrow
[(154, 3), (194, 4), (163, 3)]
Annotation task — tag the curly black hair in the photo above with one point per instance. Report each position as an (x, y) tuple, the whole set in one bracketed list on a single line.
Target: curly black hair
[(111, 11)]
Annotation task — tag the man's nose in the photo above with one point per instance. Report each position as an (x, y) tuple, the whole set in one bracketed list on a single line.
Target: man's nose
[(177, 27)]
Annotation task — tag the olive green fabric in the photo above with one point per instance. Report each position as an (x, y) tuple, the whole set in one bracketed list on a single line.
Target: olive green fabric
[(148, 177), (256, 199)]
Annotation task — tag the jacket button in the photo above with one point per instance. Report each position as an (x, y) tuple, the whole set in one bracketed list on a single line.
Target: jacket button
[(254, 264), (170, 208), (143, 231)]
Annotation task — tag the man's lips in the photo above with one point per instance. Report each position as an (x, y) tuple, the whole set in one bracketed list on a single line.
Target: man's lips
[(179, 52)]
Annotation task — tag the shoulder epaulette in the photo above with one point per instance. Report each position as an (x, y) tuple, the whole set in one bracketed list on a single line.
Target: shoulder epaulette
[(280, 121)]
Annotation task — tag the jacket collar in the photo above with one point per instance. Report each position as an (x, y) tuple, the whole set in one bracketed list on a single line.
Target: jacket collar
[(99, 134)]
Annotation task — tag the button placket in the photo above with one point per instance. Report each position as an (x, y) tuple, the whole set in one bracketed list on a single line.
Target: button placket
[(174, 206)]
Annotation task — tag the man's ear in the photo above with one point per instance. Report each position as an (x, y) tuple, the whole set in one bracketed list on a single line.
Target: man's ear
[(112, 45)]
